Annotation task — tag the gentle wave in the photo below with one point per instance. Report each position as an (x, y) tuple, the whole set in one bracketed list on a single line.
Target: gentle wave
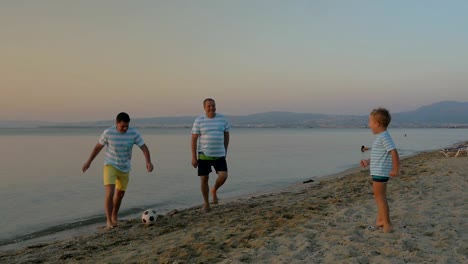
[(67, 226)]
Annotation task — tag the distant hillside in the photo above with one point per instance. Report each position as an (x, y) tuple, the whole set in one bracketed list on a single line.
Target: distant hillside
[(288, 119), (441, 114), (447, 113), (25, 124), (272, 119), (268, 119)]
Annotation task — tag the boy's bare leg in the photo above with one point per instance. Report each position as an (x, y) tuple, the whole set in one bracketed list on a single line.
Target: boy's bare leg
[(387, 228), (222, 176), (118, 196), (109, 204), (377, 186), (379, 221), (205, 192), (383, 215)]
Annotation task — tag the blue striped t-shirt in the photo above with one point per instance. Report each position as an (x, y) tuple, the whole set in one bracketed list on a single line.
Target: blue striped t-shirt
[(211, 134), (381, 160), (119, 147)]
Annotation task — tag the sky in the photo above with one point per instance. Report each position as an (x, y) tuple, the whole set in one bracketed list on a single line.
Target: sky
[(64, 60)]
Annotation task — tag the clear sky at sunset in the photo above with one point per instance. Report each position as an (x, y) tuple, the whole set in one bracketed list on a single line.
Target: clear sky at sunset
[(88, 60)]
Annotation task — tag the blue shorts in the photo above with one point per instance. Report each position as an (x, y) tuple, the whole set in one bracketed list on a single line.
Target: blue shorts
[(204, 166), (380, 178)]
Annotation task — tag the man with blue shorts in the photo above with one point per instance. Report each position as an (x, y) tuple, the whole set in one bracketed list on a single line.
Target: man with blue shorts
[(210, 140)]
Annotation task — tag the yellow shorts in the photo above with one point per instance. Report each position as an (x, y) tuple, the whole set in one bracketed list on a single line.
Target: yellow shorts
[(115, 176)]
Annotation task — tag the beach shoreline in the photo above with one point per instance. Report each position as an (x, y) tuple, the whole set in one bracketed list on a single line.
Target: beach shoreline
[(329, 220), (42, 236)]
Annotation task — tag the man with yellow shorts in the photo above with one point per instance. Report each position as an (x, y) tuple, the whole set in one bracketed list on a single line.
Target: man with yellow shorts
[(119, 140), (115, 176)]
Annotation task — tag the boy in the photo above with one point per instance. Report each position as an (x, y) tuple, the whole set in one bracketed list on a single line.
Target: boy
[(119, 140), (384, 163)]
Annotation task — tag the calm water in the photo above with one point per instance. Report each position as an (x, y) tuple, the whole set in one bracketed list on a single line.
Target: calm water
[(43, 189)]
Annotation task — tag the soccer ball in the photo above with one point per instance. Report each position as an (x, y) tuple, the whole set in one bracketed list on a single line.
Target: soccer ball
[(149, 217)]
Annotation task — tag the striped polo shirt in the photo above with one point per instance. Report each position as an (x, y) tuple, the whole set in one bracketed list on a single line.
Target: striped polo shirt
[(381, 160), (211, 134), (119, 147)]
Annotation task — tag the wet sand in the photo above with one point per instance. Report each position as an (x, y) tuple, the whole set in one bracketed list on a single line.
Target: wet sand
[(326, 221)]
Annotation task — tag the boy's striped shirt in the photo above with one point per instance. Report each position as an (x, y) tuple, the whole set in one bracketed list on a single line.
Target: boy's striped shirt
[(381, 160)]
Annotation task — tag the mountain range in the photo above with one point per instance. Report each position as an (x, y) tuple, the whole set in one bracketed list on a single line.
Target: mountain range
[(441, 114)]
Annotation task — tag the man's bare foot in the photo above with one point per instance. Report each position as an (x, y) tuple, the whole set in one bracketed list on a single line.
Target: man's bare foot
[(115, 222), (205, 209), (388, 229), (108, 226), (214, 195)]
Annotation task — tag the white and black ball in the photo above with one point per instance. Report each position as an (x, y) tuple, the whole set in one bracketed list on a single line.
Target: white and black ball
[(149, 217)]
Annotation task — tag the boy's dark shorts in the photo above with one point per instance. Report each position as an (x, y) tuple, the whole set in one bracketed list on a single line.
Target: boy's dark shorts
[(380, 178), (204, 166)]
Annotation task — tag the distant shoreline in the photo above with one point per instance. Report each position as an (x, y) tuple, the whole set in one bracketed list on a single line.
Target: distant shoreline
[(233, 126), (444, 114)]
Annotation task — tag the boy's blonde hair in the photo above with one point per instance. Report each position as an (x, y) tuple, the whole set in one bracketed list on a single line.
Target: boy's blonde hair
[(382, 116)]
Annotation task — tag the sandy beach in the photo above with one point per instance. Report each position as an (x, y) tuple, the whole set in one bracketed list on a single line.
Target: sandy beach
[(330, 220)]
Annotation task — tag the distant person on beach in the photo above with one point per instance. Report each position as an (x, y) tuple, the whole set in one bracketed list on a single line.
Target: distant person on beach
[(119, 140), (210, 140), (384, 163), (364, 148)]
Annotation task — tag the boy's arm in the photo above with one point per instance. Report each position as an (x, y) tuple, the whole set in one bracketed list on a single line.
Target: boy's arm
[(365, 163), (93, 155), (396, 163), (146, 153)]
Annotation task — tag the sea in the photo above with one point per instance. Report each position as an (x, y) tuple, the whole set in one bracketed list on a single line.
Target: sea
[(44, 195)]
